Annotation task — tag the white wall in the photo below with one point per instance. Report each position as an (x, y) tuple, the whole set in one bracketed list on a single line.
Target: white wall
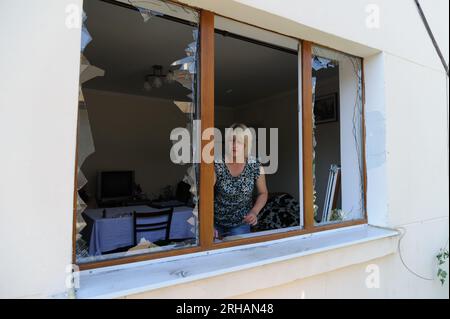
[(38, 105), (40, 58)]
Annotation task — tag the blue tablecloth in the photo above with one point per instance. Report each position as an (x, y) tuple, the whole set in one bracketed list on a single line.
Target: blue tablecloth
[(116, 229)]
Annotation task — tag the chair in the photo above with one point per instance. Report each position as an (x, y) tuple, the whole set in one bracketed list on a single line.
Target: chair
[(149, 226)]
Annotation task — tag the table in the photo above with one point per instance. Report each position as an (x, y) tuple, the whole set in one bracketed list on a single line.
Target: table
[(116, 229)]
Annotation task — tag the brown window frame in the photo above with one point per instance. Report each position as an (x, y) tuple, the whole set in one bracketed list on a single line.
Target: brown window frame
[(206, 204)]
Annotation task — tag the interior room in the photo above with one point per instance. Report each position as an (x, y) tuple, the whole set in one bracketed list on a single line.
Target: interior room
[(327, 134), (337, 139), (257, 85), (135, 95)]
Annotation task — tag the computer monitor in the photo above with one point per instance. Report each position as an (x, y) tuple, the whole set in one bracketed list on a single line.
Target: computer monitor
[(115, 185)]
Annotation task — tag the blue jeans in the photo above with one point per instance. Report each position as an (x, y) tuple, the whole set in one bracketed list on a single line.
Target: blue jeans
[(231, 231)]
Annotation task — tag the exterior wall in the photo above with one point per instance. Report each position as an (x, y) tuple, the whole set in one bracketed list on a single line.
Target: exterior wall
[(40, 67), (407, 138)]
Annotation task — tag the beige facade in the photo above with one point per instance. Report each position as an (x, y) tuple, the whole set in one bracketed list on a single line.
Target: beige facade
[(405, 83)]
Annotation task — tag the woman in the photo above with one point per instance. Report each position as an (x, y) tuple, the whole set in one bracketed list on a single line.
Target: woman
[(237, 175)]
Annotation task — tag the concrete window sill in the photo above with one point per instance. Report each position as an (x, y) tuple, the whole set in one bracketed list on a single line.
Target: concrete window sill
[(327, 250)]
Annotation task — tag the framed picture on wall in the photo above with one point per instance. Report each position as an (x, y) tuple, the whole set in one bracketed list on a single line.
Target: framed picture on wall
[(325, 108)]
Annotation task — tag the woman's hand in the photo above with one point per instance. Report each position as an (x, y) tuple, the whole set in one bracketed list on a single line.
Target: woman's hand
[(251, 218)]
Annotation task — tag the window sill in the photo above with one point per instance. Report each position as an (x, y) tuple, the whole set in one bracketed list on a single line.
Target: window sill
[(144, 277)]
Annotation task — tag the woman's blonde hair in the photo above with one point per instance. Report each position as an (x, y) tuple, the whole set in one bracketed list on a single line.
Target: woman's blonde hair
[(243, 134)]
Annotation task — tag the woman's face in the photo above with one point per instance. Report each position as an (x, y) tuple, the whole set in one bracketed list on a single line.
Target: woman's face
[(237, 147)]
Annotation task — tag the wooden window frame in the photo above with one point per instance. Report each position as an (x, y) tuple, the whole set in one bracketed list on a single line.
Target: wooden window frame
[(206, 202)]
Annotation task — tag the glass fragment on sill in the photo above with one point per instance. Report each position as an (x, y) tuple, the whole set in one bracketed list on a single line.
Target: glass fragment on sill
[(143, 244), (338, 176)]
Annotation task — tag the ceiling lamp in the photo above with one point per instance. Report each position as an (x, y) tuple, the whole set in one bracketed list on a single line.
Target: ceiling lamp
[(157, 77)]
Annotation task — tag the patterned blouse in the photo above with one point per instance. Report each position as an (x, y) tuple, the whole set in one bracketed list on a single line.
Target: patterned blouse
[(233, 195)]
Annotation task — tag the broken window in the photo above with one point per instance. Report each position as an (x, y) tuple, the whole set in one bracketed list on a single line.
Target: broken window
[(337, 136), (138, 85), (138, 179)]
